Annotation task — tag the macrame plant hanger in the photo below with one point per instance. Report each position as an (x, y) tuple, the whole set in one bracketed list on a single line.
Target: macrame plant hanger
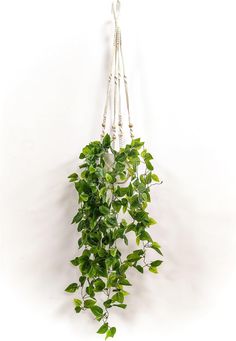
[(113, 184), (113, 96)]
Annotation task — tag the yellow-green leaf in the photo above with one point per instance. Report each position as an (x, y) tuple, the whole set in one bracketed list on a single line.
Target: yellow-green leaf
[(103, 329), (111, 332), (153, 269), (155, 178)]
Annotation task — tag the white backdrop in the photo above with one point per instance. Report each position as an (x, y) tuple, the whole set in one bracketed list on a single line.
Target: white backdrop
[(180, 58)]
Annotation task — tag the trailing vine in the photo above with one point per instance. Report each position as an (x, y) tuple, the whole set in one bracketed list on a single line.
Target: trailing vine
[(114, 191)]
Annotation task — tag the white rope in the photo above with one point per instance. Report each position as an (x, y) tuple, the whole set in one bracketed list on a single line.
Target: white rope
[(108, 93), (120, 121), (117, 72), (126, 94), (115, 87)]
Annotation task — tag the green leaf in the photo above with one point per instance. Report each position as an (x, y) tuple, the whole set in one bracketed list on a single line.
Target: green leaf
[(156, 263), (125, 205), (133, 257), (77, 302), (144, 196), (101, 252), (85, 266), (82, 280), (123, 268), (155, 178), (149, 178), (110, 221), (82, 156), (77, 217), (120, 157), (100, 172), (113, 252), (155, 246), (92, 169), (90, 291), (148, 157), (84, 197), (124, 282), (112, 280), (116, 205), (139, 252), (78, 309), (109, 178), (139, 216), (99, 285), (134, 201), (119, 167), (89, 303), (104, 210), (123, 306), (137, 143), (121, 191), (103, 329), (151, 221), (111, 332), (141, 188), (97, 311), (144, 235), (86, 150), (143, 179), (72, 287), (84, 174), (73, 177), (107, 303), (153, 269), (143, 153), (102, 191), (75, 261), (139, 268), (130, 190), (106, 141), (149, 165), (119, 297)]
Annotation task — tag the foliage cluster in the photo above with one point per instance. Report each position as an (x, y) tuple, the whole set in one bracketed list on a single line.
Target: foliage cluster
[(113, 199)]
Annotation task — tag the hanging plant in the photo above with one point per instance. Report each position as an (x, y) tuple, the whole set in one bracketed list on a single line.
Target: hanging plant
[(113, 187)]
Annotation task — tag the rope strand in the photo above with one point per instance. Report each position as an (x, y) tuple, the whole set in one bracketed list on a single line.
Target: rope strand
[(117, 71)]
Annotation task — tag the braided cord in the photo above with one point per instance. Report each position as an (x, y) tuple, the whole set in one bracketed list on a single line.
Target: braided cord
[(117, 72)]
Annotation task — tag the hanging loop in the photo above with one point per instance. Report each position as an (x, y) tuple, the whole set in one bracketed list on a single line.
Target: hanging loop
[(116, 10)]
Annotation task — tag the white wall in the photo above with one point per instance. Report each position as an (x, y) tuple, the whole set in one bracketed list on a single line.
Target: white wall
[(180, 58)]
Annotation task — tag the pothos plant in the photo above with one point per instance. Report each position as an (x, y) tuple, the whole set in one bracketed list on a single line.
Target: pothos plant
[(113, 196)]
